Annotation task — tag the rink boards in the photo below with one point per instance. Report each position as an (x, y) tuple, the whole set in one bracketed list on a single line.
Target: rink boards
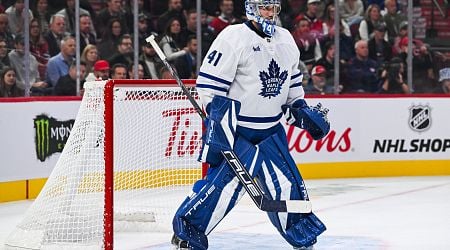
[(370, 137)]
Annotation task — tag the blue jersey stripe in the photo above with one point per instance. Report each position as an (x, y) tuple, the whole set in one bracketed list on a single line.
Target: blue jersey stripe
[(260, 119), (208, 86), (214, 78), (296, 85), (297, 75)]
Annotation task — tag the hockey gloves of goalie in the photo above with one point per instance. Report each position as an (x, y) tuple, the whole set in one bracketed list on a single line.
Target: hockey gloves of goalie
[(220, 129), (313, 119)]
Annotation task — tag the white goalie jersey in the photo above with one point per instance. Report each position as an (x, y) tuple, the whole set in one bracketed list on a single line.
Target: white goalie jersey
[(261, 73)]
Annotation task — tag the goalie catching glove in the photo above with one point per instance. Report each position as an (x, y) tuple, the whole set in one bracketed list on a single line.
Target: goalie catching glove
[(313, 119)]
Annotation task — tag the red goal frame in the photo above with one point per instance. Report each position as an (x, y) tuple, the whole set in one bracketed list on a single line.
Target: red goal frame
[(108, 222)]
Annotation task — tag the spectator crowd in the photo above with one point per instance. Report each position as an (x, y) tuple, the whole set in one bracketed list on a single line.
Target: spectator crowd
[(373, 44)]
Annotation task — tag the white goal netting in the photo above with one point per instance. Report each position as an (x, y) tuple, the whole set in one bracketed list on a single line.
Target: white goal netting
[(157, 136)]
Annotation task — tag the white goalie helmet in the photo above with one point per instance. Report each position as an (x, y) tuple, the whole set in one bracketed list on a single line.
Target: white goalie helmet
[(252, 10)]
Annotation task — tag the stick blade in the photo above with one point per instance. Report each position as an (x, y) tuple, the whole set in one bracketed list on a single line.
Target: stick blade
[(288, 206), (298, 206)]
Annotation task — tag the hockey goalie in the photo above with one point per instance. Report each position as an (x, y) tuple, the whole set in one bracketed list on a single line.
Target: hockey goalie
[(247, 82)]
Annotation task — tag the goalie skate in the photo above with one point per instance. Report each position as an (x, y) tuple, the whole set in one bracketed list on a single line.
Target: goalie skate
[(304, 248), (180, 244)]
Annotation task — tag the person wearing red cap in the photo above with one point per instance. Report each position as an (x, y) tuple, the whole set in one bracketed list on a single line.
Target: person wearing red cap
[(318, 84), (101, 70)]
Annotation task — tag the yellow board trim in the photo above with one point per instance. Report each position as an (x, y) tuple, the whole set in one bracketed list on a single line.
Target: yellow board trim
[(13, 191), (35, 186), (374, 169), (17, 190)]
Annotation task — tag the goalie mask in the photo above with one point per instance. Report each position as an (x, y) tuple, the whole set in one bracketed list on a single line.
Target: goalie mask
[(253, 11)]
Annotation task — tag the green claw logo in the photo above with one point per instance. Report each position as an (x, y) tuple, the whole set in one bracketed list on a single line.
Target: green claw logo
[(50, 135)]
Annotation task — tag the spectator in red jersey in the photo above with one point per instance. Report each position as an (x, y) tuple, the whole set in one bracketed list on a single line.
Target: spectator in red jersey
[(311, 14), (403, 32), (307, 43), (225, 18)]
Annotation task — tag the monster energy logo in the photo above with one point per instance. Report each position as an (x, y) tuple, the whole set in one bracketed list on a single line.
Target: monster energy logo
[(51, 135)]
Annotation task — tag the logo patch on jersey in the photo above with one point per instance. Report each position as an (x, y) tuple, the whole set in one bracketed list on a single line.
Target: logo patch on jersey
[(256, 48), (272, 81)]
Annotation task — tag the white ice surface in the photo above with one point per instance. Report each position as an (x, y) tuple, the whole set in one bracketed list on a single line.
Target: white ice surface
[(366, 213)]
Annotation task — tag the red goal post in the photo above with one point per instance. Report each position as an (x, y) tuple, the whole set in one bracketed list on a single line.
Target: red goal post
[(109, 134)]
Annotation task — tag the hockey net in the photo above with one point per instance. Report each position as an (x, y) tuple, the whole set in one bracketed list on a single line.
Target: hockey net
[(147, 137)]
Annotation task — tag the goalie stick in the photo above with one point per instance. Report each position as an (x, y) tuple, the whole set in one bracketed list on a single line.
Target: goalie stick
[(252, 188)]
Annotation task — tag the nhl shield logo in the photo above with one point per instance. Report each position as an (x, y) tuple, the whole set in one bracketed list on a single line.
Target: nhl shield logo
[(419, 118)]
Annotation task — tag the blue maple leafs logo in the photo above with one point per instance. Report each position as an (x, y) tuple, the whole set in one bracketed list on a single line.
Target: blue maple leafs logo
[(272, 81)]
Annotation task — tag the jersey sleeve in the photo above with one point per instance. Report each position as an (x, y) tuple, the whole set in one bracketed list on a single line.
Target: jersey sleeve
[(218, 69), (296, 91)]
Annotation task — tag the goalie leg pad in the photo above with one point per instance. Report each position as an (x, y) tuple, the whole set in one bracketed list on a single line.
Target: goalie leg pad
[(280, 179), (221, 128), (212, 198)]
